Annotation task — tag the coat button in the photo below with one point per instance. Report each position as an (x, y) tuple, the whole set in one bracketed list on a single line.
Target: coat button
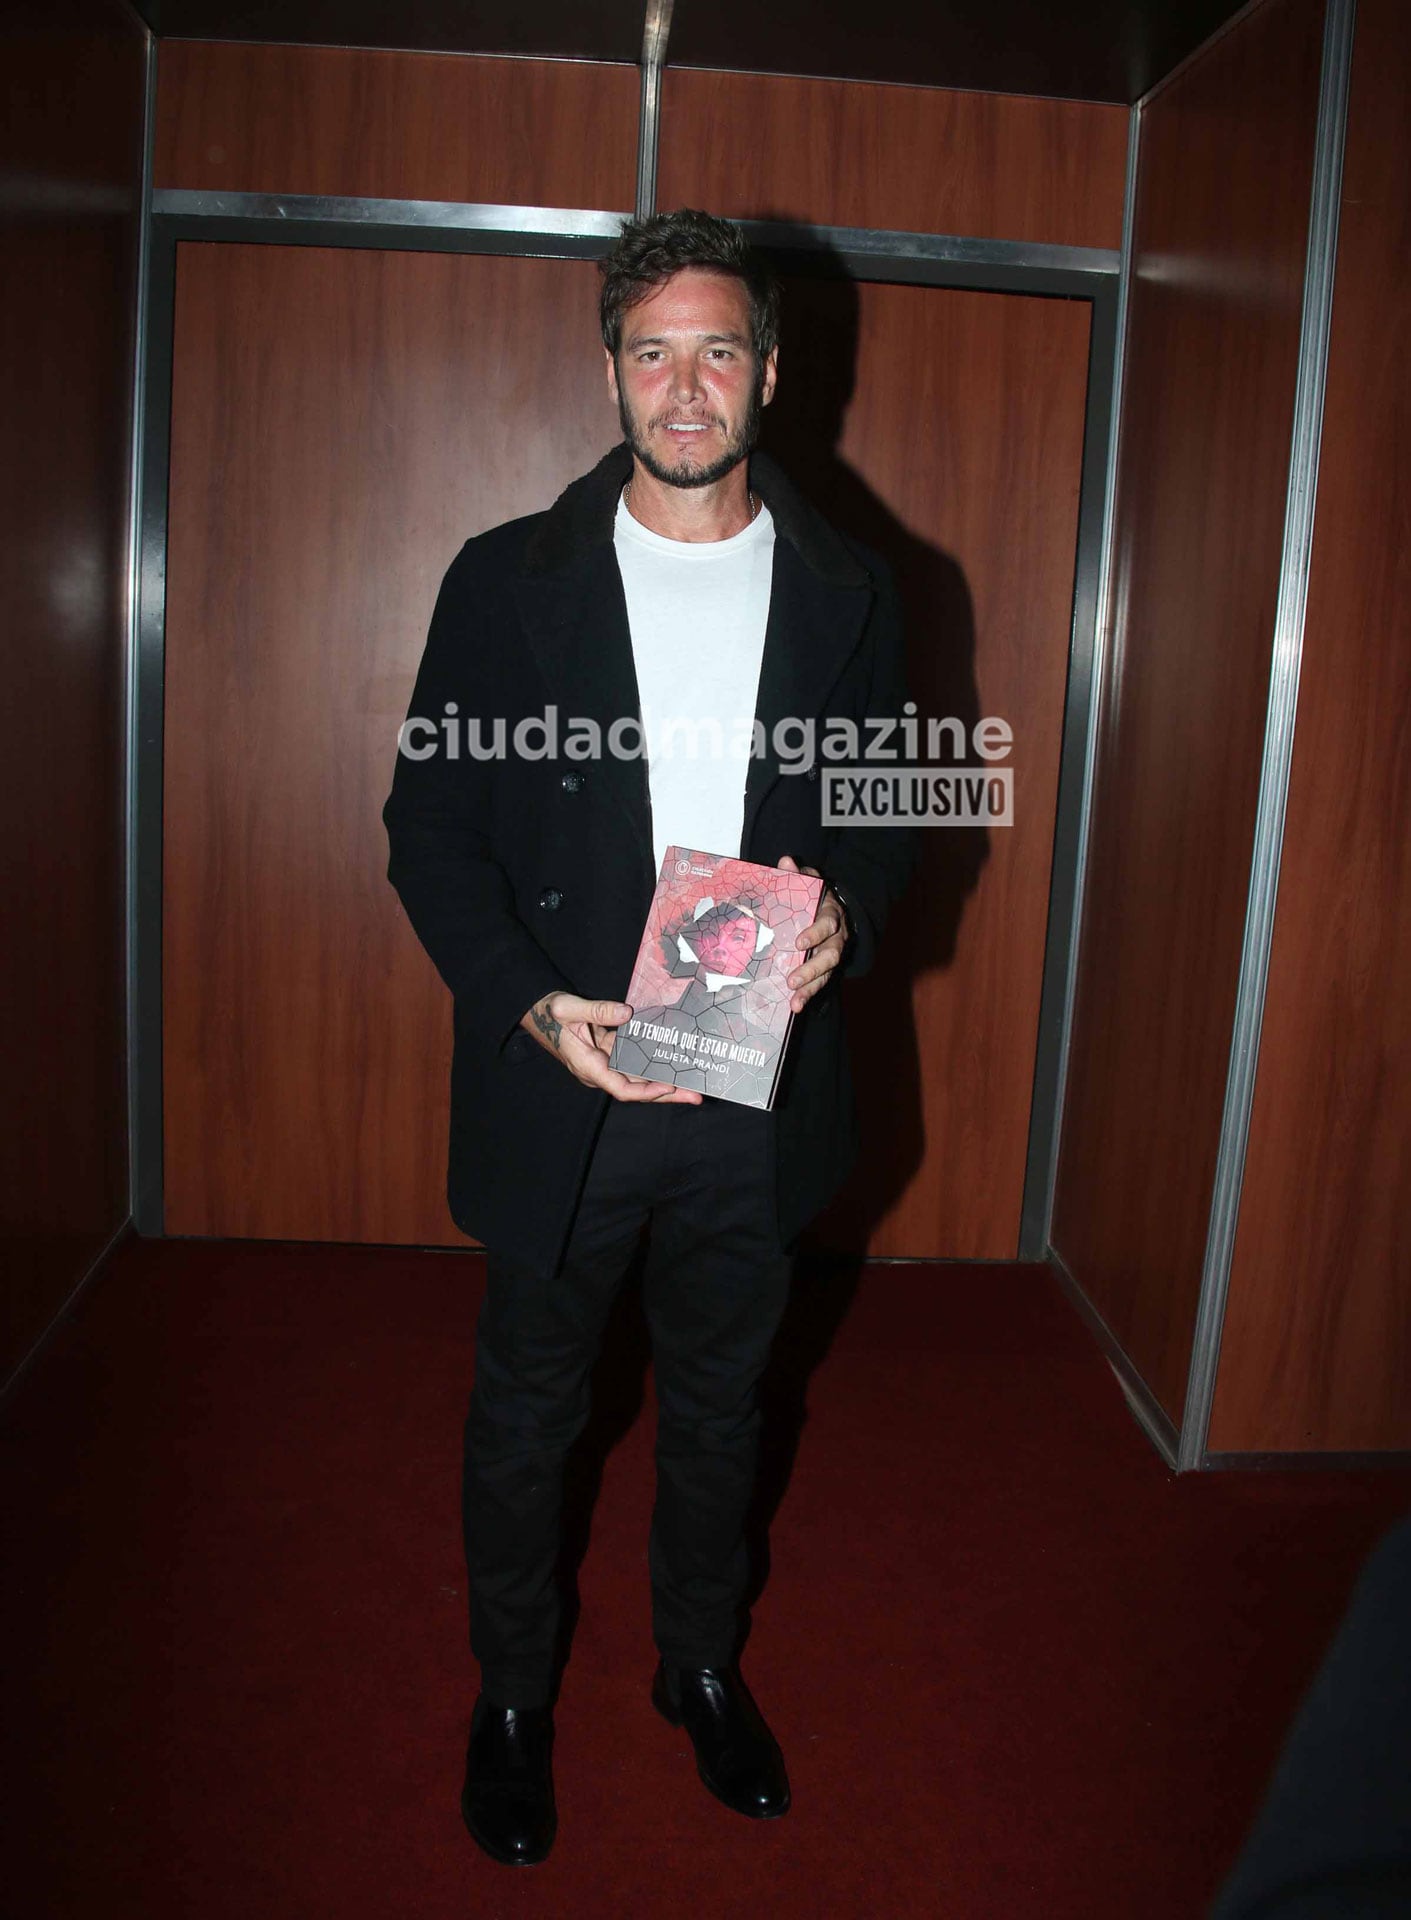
[(551, 899), (571, 782)]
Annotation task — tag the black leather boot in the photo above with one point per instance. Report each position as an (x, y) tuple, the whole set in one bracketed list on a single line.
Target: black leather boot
[(737, 1756), (508, 1799)]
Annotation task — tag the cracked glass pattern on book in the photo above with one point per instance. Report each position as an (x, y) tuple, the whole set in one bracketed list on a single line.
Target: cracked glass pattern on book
[(709, 993)]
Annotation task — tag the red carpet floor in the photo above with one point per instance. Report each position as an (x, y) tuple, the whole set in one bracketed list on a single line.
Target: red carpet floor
[(1020, 1671)]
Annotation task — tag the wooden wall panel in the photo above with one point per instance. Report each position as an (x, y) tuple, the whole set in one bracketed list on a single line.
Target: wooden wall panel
[(946, 429), (919, 159), (1221, 227), (71, 190), (241, 117), (330, 408), (339, 428), (1316, 1351)]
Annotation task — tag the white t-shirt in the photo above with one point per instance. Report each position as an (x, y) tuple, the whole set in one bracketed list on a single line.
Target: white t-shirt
[(698, 612)]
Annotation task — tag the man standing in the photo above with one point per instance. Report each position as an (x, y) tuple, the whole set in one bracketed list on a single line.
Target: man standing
[(683, 581)]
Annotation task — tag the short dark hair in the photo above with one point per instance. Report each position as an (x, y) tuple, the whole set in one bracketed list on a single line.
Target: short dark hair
[(649, 251)]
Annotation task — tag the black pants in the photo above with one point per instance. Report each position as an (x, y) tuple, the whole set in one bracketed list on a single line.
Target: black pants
[(715, 1287)]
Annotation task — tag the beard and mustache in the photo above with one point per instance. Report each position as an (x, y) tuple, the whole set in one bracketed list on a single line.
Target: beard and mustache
[(738, 445)]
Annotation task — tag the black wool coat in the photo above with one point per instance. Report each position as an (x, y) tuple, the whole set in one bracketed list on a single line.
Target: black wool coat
[(522, 875)]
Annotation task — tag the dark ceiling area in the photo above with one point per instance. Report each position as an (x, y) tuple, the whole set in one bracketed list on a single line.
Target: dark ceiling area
[(1075, 49)]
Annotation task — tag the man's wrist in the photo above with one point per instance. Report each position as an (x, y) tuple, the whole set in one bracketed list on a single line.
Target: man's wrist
[(849, 913)]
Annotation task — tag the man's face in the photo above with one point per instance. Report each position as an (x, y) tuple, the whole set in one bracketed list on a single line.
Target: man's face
[(727, 947), (686, 383)]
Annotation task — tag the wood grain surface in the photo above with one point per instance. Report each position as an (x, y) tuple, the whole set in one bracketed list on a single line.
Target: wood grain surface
[(957, 453), (919, 159), (339, 427), (244, 117), (72, 192), (1221, 228), (342, 421), (1316, 1352)]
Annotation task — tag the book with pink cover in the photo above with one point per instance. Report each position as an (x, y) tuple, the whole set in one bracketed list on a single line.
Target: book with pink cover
[(709, 993)]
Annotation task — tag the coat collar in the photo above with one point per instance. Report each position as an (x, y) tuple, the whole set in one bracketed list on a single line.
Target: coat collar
[(582, 518), (571, 600)]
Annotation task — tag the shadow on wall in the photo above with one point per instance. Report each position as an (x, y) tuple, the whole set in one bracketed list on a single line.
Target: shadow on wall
[(802, 428)]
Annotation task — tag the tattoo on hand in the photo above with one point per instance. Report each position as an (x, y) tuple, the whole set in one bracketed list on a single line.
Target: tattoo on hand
[(547, 1025)]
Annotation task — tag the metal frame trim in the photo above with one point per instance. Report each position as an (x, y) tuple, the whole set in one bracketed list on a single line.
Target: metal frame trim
[(656, 31), (939, 260), (1285, 664), (1331, 1462), (960, 251), (1149, 1414), (132, 713), (149, 681), (330, 220), (289, 214), (1077, 729), (1073, 827)]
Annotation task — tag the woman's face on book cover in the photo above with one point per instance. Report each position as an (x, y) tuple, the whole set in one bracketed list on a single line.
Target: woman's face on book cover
[(727, 947)]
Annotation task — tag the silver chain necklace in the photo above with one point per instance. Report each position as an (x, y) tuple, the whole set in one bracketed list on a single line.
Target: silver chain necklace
[(755, 499)]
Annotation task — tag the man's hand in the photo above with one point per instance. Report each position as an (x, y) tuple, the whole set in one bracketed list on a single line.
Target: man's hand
[(825, 941), (580, 1033)]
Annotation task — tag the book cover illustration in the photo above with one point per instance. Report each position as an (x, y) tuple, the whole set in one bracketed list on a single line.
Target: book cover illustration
[(710, 993)]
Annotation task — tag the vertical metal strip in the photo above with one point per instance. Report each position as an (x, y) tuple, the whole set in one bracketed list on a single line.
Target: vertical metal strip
[(1060, 928), (655, 33), (1102, 625), (147, 1201), (136, 450), (1280, 721)]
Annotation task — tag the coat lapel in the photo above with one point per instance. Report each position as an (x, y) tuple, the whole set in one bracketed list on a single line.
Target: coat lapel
[(571, 601), (575, 619), (813, 628)]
